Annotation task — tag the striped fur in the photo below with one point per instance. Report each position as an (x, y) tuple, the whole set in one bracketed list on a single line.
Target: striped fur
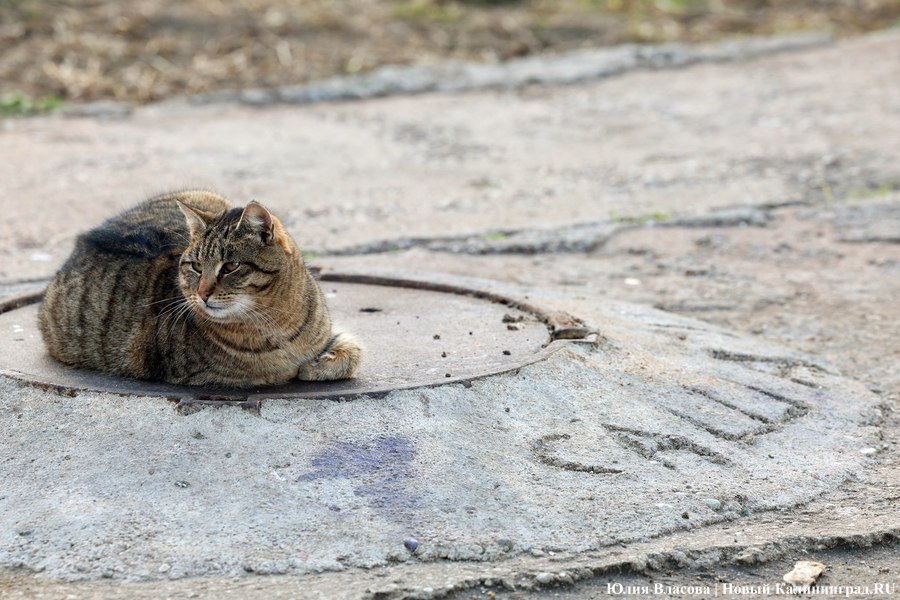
[(185, 289)]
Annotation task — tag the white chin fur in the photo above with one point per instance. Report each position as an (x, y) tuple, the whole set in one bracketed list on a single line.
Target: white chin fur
[(216, 311)]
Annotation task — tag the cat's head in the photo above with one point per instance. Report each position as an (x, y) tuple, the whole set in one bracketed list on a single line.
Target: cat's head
[(235, 262)]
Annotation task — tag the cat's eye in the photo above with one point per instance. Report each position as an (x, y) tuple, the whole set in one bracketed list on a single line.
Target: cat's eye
[(230, 267), (197, 267)]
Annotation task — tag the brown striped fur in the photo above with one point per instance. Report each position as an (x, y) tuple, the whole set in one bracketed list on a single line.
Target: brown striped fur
[(183, 288)]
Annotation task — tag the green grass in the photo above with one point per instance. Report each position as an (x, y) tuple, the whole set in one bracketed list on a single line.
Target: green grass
[(873, 193), (495, 236), (827, 193), (19, 105), (654, 217)]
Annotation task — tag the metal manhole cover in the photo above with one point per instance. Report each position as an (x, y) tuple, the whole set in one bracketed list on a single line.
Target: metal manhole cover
[(414, 334)]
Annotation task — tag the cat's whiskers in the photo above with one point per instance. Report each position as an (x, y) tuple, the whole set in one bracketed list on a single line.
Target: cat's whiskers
[(252, 308), (171, 309), (173, 314), (263, 323), (287, 320), (169, 299), (268, 307), (284, 319), (180, 319)]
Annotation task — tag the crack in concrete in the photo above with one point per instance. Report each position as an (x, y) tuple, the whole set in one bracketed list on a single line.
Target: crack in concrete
[(784, 361), (572, 238), (649, 444), (544, 451)]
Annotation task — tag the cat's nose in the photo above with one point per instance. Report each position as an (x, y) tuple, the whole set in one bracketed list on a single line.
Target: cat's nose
[(205, 294)]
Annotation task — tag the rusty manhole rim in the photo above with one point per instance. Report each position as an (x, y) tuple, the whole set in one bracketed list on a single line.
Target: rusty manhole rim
[(562, 329)]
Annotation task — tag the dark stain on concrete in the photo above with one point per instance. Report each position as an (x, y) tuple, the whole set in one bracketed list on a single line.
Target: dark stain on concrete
[(381, 466)]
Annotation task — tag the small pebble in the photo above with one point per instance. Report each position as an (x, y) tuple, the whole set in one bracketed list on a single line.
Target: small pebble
[(685, 515), (437, 336), (512, 327), (182, 484), (443, 355), (164, 568), (712, 503), (446, 374), (507, 352), (411, 544), (544, 578), (370, 309), (868, 451)]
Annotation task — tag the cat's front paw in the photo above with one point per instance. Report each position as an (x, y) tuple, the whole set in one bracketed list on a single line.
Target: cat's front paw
[(339, 361)]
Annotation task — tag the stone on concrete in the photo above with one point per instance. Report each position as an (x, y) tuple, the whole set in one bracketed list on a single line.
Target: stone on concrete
[(805, 573)]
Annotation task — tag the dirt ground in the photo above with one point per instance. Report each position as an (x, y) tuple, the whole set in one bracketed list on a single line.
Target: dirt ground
[(83, 50)]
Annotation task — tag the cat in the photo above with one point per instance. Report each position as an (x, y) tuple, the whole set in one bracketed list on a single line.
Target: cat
[(185, 289)]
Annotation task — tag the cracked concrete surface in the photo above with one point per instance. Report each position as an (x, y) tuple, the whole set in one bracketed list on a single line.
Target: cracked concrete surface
[(760, 197), (668, 425)]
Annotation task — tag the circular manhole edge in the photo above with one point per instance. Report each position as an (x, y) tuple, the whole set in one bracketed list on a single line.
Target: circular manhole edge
[(562, 329)]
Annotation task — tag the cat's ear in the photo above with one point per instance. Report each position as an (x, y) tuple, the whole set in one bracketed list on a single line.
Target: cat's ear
[(258, 220), (196, 220), (261, 222)]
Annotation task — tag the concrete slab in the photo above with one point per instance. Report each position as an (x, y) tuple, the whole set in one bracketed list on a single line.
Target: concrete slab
[(669, 425)]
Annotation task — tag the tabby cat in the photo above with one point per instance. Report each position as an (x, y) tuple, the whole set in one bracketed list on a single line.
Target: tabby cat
[(182, 288)]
